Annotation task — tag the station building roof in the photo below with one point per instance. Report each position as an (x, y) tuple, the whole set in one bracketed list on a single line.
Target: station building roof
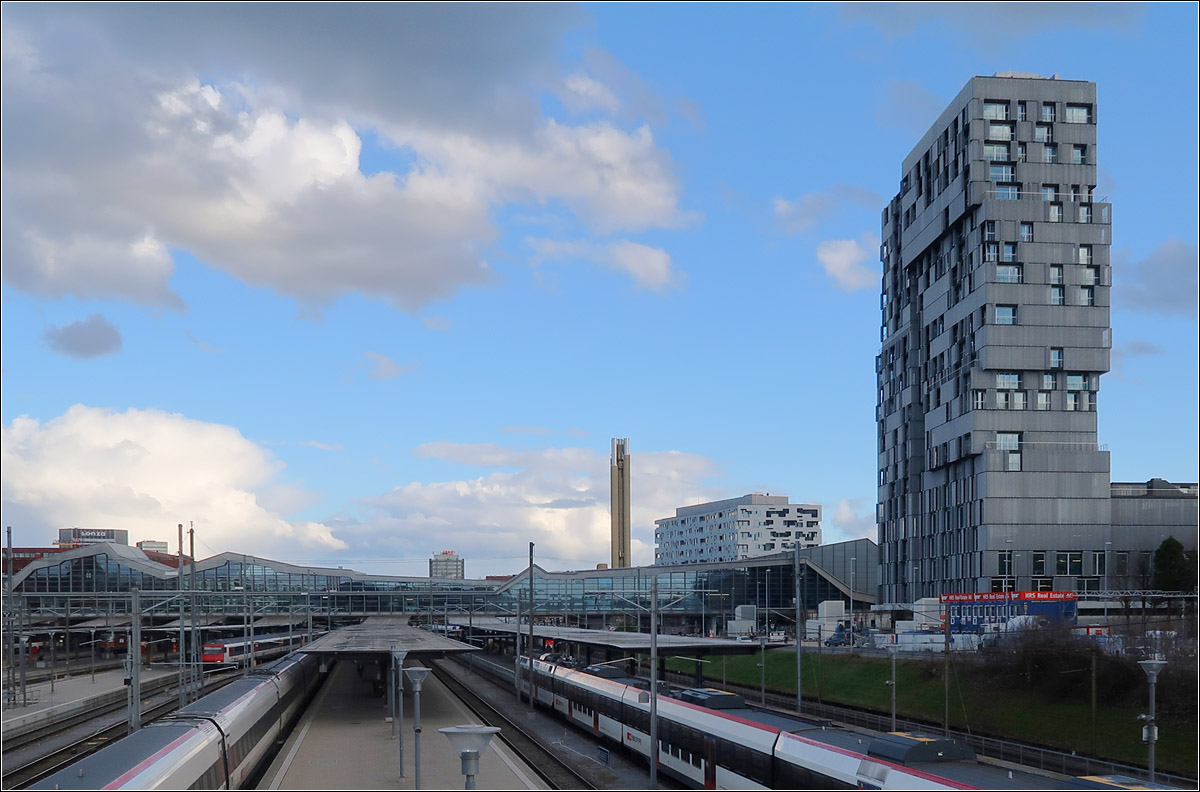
[(383, 635), (622, 641)]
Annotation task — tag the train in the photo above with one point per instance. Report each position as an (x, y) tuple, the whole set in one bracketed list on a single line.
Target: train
[(219, 742), (260, 647), (710, 739)]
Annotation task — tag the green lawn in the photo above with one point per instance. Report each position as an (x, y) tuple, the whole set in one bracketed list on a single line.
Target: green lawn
[(979, 706)]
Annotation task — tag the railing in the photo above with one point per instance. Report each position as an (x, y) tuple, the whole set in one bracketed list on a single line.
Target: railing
[(1026, 445)]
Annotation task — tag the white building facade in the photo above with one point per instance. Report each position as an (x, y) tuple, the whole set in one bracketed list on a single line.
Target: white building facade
[(729, 530), (447, 564)]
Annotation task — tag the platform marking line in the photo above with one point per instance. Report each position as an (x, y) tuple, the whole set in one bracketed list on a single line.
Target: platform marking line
[(495, 744), (309, 717)]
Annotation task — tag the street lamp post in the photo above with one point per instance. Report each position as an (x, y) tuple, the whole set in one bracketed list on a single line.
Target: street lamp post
[(1150, 730), (892, 682), (762, 645), (852, 573), (415, 676), (1107, 545), (469, 742)]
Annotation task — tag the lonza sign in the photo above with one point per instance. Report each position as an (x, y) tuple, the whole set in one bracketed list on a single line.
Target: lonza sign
[(1012, 596)]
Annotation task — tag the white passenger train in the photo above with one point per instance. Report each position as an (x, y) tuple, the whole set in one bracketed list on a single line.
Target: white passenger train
[(709, 739), (219, 742)]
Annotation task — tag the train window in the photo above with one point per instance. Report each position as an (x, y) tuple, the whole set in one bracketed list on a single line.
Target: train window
[(793, 776)]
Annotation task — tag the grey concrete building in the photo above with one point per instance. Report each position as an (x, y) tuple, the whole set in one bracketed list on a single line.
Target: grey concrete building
[(995, 334), (736, 528)]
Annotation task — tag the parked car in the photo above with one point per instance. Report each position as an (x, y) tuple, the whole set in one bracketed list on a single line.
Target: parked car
[(837, 639)]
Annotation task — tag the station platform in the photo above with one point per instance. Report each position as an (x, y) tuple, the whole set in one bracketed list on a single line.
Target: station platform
[(69, 696), (344, 741)]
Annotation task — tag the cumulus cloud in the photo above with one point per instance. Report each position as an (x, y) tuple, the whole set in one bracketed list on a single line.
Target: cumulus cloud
[(146, 471), (123, 152), (89, 338), (843, 261), (581, 93), (557, 498), (384, 368), (852, 519), (809, 210), (649, 267), (1165, 282)]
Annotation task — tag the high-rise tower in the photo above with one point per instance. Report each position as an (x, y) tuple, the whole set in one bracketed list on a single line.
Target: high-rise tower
[(995, 333), (619, 500)]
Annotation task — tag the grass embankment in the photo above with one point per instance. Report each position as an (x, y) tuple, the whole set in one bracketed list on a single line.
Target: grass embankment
[(978, 701)]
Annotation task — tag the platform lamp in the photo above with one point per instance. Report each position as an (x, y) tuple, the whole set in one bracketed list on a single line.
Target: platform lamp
[(1150, 730), (470, 742), (415, 676)]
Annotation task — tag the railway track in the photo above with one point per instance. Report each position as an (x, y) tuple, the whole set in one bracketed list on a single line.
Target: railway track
[(31, 770), (545, 762)]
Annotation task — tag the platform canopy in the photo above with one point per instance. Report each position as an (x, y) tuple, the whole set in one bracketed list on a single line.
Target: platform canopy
[(382, 635), (623, 641)]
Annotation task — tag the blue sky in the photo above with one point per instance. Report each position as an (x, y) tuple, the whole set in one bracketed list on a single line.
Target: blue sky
[(357, 284)]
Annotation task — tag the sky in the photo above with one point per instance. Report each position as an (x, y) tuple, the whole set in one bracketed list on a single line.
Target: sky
[(355, 284)]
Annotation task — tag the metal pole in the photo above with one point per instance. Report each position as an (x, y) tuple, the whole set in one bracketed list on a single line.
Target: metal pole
[(946, 671), (893, 649), (799, 640), (391, 690), (531, 609), (399, 671), (93, 645), (194, 651), (417, 735), (135, 662), (179, 652), (762, 644), (470, 761), (23, 642), (1153, 726), (654, 681)]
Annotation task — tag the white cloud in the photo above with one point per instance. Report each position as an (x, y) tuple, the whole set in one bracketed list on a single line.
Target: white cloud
[(557, 498), (90, 338), (385, 368), (146, 471), (1164, 282), (802, 214), (582, 93), (849, 524), (811, 209), (843, 261), (122, 154), (649, 267)]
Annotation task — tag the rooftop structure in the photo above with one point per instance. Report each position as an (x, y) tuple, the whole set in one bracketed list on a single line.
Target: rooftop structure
[(727, 530)]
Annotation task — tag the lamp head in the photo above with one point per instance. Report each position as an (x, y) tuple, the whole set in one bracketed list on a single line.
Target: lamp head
[(416, 675), (469, 738), (1152, 667)]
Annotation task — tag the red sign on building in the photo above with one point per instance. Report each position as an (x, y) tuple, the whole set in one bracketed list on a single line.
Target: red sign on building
[(1011, 596)]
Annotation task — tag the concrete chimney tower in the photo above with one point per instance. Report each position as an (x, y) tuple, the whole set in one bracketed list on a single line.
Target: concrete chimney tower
[(619, 497)]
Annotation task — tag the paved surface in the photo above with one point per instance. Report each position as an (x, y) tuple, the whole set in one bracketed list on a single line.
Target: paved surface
[(619, 769), (72, 689), (380, 634), (623, 641), (344, 742)]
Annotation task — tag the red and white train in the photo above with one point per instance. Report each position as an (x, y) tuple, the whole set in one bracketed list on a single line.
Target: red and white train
[(709, 739), (219, 742), (259, 648)]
